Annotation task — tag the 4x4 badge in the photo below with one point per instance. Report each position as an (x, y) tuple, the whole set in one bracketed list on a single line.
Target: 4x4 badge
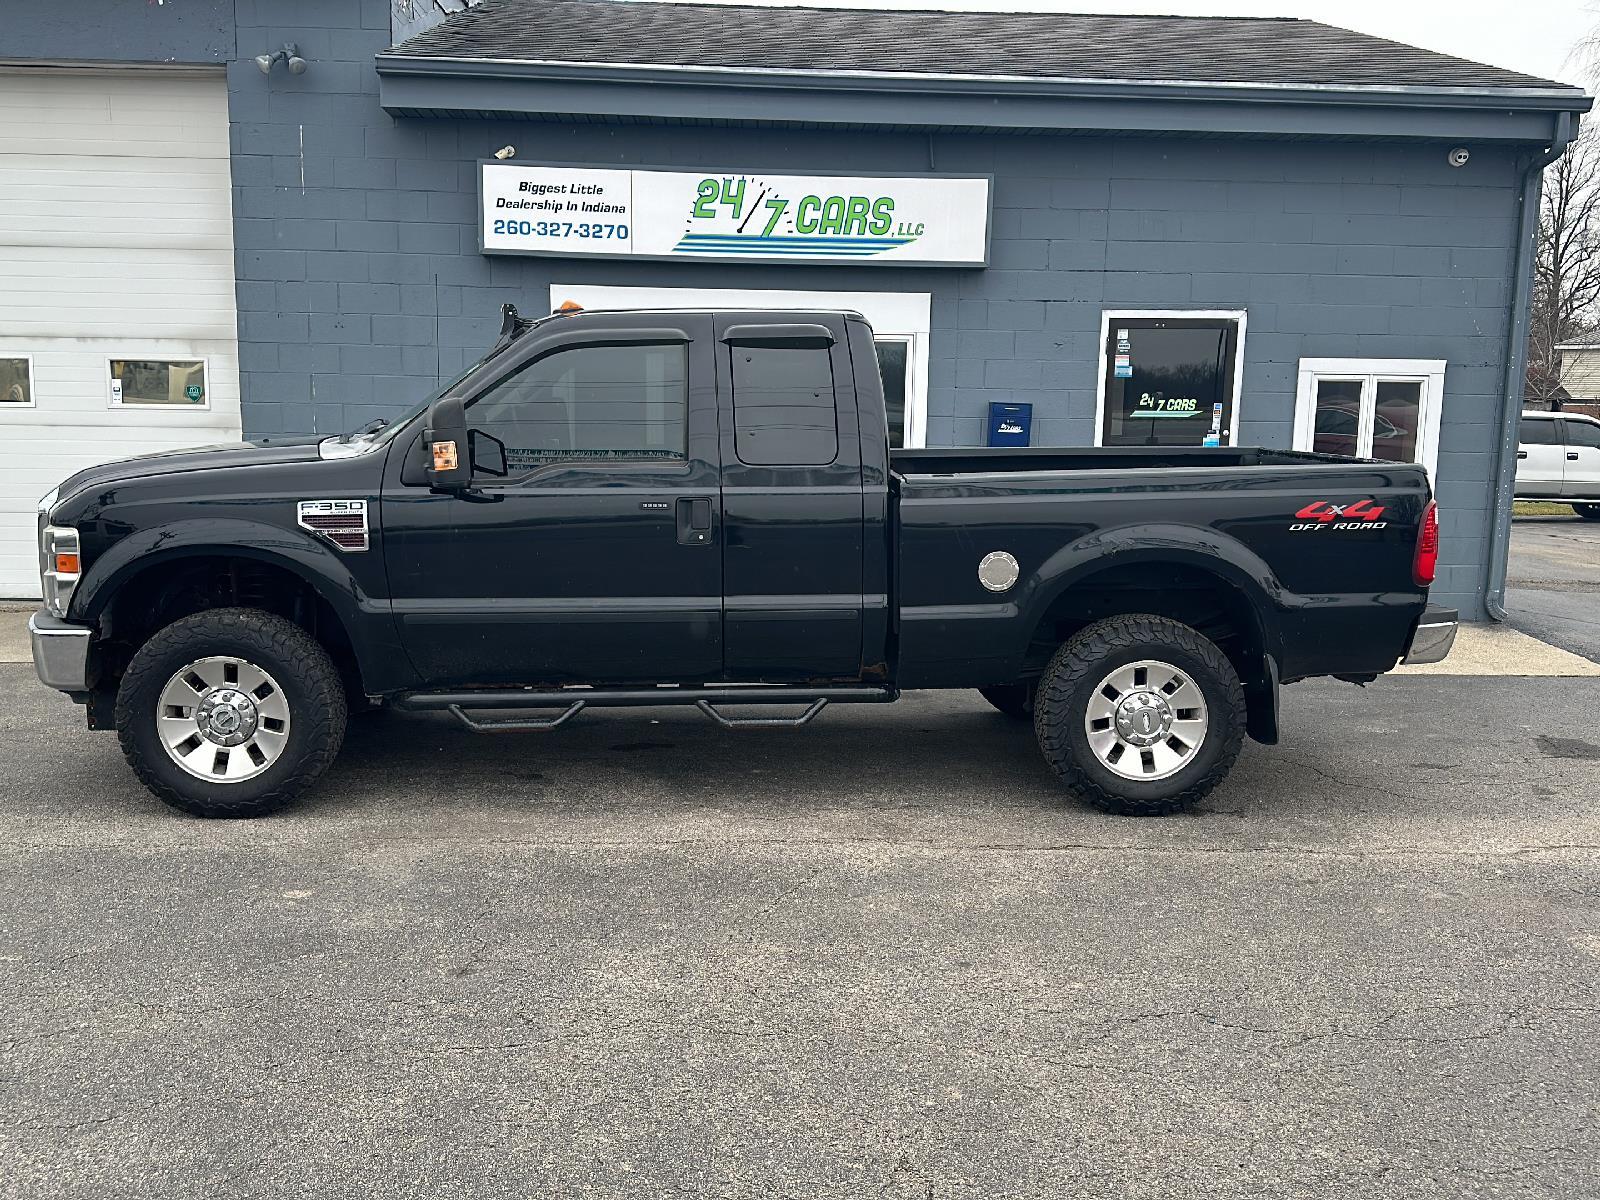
[(1358, 514)]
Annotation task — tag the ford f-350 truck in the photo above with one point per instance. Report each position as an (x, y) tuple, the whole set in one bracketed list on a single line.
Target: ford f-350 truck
[(668, 507)]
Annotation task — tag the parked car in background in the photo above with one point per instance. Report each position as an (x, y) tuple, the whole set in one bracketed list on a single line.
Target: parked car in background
[(1558, 458)]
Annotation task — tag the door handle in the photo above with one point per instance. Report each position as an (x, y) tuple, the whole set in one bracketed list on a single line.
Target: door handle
[(1572, 456), (694, 521), (1522, 454)]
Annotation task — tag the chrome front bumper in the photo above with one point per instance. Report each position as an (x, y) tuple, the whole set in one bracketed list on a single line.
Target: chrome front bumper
[(1435, 634), (60, 652)]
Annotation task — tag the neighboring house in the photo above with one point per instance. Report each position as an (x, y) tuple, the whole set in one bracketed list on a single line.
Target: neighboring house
[(1152, 230), (1580, 378)]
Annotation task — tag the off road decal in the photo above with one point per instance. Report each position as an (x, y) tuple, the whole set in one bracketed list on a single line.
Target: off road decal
[(1356, 514)]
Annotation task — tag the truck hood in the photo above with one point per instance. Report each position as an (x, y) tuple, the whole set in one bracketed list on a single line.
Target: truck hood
[(198, 458)]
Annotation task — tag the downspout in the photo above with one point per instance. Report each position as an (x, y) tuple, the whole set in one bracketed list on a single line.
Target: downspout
[(1505, 473)]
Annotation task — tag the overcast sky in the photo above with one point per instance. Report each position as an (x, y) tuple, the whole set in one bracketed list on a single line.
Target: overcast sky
[(1533, 36)]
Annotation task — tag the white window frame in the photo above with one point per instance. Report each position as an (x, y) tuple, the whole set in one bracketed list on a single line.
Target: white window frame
[(921, 421), (33, 383), (894, 316), (136, 356), (1369, 372), (1108, 317)]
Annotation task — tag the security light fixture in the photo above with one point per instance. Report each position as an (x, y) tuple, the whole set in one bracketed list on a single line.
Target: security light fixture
[(290, 55), (506, 152)]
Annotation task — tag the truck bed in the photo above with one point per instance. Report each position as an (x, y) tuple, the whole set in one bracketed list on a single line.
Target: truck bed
[(1335, 597)]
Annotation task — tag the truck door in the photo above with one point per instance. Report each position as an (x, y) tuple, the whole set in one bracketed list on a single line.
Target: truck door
[(596, 556), (1582, 457), (791, 500), (1540, 465)]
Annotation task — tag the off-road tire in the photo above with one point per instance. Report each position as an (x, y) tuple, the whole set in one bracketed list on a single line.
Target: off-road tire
[(1589, 512), (1013, 699), (1078, 668), (310, 683)]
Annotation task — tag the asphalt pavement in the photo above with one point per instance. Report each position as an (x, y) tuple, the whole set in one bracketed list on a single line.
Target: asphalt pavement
[(1553, 581), (883, 956)]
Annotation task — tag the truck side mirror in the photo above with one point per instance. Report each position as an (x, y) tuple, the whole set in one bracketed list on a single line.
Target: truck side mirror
[(445, 438)]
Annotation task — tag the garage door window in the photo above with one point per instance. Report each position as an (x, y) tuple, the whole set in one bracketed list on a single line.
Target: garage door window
[(145, 382), (16, 379)]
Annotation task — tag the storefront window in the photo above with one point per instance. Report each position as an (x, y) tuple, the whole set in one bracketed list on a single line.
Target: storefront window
[(1386, 409), (16, 379), (1338, 421), (179, 382), (1169, 380), (894, 359)]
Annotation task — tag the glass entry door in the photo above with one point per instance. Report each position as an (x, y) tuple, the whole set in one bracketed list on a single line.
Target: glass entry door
[(1169, 381)]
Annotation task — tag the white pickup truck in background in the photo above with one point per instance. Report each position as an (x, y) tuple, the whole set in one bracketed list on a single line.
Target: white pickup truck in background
[(1558, 458)]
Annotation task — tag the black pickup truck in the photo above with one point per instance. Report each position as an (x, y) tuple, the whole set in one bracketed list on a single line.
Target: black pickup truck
[(648, 508)]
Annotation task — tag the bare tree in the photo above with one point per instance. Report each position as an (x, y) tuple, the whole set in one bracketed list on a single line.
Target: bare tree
[(1566, 280)]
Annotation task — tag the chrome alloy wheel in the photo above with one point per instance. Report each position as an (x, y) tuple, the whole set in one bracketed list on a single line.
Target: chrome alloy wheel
[(223, 719), (1146, 720)]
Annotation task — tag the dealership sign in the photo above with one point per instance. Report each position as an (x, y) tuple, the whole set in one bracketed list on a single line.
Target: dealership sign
[(894, 220)]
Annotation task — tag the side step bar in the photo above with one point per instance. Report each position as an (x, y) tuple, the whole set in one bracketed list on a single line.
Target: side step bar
[(709, 700)]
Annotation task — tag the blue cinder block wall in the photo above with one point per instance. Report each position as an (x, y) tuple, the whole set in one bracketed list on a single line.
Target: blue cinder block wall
[(360, 284)]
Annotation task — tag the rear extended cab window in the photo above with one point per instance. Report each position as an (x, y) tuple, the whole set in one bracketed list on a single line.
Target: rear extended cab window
[(783, 406)]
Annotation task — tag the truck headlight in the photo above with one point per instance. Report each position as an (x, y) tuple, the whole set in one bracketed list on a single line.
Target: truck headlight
[(59, 566)]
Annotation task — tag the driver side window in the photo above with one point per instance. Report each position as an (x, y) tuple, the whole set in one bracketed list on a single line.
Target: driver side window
[(590, 404)]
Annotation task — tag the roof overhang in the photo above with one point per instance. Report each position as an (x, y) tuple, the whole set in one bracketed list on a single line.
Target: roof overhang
[(411, 85)]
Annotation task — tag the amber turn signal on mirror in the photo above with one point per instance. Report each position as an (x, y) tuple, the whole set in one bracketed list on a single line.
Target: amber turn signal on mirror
[(444, 456)]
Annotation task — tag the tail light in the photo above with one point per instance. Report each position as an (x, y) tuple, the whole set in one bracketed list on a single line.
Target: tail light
[(1425, 565)]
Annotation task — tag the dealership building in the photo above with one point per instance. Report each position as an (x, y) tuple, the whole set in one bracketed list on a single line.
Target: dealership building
[(283, 217)]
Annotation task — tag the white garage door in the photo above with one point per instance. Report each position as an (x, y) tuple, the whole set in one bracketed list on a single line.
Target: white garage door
[(117, 326)]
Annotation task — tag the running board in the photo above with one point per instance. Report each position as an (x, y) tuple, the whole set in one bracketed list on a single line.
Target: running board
[(804, 718), (709, 700), (513, 725)]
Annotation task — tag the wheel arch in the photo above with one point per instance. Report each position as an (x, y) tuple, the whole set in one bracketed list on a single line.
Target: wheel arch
[(1199, 577), (137, 587)]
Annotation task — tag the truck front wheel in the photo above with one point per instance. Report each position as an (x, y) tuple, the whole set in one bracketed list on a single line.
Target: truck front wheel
[(232, 712), (1140, 715)]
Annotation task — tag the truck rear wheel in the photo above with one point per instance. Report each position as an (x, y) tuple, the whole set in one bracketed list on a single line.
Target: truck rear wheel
[(1013, 699), (230, 712), (1140, 715)]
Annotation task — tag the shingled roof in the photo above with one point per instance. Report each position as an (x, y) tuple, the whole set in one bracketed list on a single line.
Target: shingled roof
[(1061, 46)]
